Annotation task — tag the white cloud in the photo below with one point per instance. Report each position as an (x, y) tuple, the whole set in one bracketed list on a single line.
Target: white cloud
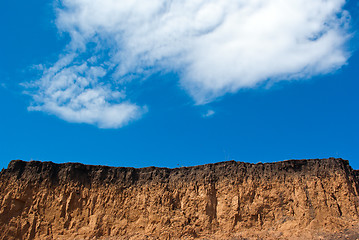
[(74, 93), (216, 46), (209, 113)]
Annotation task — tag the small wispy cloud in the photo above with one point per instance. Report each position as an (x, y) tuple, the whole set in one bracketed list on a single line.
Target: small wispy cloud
[(216, 46), (209, 113)]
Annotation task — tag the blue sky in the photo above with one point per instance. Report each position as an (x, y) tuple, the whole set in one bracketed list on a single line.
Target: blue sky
[(128, 83)]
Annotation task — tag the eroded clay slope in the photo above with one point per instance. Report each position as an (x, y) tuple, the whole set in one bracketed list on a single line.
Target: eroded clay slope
[(297, 199)]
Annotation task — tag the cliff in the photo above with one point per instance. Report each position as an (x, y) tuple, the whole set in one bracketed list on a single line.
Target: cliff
[(296, 199)]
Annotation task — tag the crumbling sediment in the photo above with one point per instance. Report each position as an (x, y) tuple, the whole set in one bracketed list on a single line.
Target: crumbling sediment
[(227, 200)]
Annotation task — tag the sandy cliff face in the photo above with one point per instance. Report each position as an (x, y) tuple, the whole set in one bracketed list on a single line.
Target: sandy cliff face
[(299, 199)]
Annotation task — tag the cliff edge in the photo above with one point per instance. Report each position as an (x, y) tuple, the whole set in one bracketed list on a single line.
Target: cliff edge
[(295, 199)]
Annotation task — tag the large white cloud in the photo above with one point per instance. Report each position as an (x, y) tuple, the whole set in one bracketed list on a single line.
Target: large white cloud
[(216, 47)]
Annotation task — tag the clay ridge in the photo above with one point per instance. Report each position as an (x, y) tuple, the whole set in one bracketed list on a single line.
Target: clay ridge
[(294, 199)]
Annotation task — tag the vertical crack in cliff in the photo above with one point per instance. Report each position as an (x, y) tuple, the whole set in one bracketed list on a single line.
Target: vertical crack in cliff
[(236, 202), (211, 207), (337, 204), (309, 203)]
